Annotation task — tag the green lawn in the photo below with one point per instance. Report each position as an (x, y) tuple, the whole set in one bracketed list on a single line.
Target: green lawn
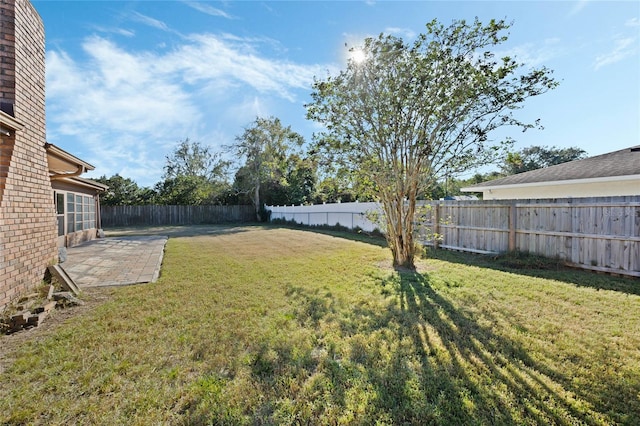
[(257, 325)]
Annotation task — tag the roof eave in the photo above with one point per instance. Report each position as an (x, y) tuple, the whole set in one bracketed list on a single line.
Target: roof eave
[(88, 183), (605, 179), (8, 121), (66, 157)]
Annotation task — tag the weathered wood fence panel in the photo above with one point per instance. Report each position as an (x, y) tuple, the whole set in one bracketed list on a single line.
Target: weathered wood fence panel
[(150, 215), (594, 233)]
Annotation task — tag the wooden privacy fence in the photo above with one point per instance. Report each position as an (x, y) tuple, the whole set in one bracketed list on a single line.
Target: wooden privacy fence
[(150, 215), (602, 234)]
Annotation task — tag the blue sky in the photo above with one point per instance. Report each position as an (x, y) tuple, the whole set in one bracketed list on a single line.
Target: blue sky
[(128, 80)]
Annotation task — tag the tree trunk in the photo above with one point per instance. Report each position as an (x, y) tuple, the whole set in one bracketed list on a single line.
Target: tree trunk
[(256, 201), (403, 255), (399, 220)]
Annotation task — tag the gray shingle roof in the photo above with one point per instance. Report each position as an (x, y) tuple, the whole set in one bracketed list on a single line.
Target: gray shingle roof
[(625, 162)]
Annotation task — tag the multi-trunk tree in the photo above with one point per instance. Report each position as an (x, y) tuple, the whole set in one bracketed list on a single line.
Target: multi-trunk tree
[(405, 115)]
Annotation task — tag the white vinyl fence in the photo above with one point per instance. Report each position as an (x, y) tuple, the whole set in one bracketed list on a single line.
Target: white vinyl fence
[(350, 215)]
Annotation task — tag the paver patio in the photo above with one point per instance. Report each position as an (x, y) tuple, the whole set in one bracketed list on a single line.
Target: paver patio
[(116, 261)]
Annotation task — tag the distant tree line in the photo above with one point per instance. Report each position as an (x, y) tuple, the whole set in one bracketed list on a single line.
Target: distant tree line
[(278, 171)]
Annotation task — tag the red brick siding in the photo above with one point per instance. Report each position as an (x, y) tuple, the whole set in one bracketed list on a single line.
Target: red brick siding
[(27, 216)]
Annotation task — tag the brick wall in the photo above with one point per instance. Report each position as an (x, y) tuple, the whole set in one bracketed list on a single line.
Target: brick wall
[(27, 217)]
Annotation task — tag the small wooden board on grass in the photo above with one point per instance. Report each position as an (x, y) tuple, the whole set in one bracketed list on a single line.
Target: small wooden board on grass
[(64, 279)]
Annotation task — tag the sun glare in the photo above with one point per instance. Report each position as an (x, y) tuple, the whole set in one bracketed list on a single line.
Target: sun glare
[(358, 56)]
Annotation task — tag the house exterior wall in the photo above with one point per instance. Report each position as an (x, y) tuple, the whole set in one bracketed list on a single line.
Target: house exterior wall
[(576, 190), (27, 215), (69, 233)]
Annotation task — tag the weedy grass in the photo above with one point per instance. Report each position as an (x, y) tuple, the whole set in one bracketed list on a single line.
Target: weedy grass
[(266, 325)]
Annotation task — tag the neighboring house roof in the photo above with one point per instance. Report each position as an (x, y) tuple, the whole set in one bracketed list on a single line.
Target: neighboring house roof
[(618, 165), (460, 198)]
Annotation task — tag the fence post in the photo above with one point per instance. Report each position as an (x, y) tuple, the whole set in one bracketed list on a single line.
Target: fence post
[(436, 225), (512, 226)]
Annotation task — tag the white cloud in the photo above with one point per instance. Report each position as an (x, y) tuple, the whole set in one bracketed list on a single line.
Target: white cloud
[(578, 6), (534, 55), (633, 22), (207, 9), (404, 33), (247, 109), (114, 30), (623, 48), (129, 107), (224, 62), (149, 21), (115, 90)]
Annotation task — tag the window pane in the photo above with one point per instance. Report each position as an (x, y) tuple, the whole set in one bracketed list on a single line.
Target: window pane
[(78, 199), (60, 203), (70, 221), (60, 225), (69, 198)]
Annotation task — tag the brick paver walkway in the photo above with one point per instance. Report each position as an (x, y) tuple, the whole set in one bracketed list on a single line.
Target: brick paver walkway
[(115, 261)]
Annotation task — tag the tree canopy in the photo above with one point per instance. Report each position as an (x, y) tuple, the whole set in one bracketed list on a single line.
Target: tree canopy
[(123, 192), (406, 115), (537, 157), (193, 174), (268, 149)]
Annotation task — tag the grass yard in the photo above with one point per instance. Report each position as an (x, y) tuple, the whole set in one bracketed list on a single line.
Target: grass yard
[(254, 325)]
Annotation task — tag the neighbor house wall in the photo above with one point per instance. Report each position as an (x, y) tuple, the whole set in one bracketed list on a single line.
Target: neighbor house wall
[(610, 188), (27, 215)]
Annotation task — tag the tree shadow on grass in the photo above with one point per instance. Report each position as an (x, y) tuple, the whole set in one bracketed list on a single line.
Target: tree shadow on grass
[(429, 362), (470, 374), (414, 358), (517, 263), (337, 231), (539, 267), (493, 379)]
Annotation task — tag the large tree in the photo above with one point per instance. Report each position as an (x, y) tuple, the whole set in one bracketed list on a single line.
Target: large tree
[(124, 192), (408, 114), (193, 174), (537, 157), (266, 146)]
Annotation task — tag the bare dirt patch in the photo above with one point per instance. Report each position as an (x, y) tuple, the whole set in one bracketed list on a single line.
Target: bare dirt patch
[(422, 266), (9, 343)]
